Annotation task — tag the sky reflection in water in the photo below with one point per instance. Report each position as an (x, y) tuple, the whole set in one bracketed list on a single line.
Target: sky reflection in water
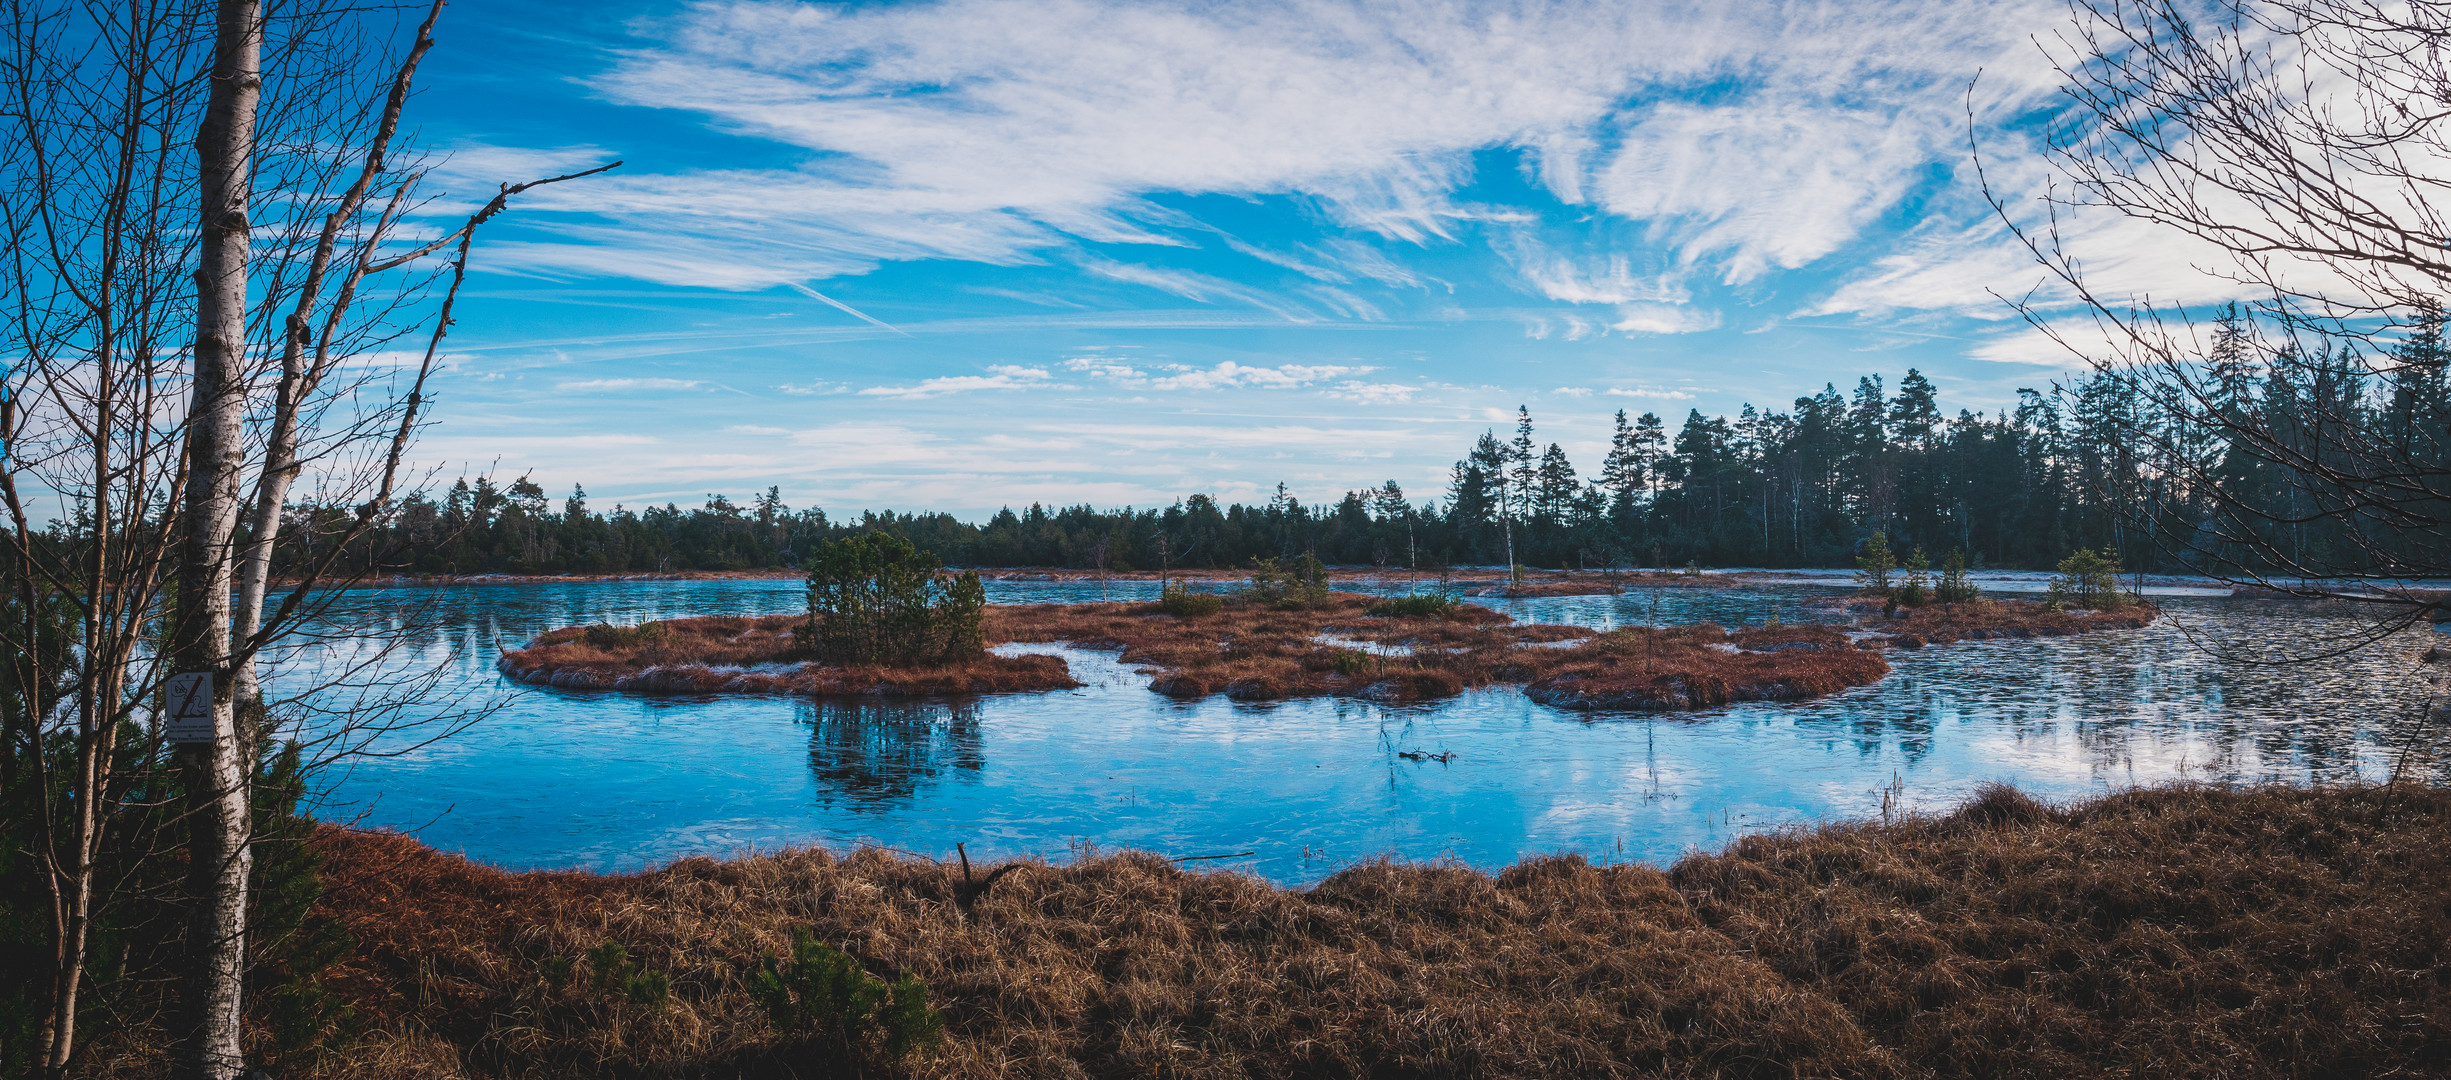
[(618, 781)]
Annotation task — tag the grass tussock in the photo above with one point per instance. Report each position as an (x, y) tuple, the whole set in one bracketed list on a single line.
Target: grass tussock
[(729, 654), (2172, 932)]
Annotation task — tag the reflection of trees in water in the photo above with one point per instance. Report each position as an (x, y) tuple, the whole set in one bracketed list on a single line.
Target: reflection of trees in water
[(2156, 694), (875, 754)]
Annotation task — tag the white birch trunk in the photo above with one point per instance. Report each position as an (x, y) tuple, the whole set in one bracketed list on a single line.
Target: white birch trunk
[(302, 371), (218, 773)]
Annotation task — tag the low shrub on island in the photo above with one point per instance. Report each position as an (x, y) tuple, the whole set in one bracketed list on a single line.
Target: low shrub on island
[(736, 654), (883, 618), (2249, 933), (876, 599)]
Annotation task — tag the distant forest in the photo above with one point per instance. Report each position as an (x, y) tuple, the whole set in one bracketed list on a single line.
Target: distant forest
[(2021, 487)]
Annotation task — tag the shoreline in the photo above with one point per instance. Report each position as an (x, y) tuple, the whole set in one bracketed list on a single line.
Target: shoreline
[(2277, 930)]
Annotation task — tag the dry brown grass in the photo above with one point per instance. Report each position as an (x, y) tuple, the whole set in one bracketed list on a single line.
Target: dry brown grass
[(1251, 652), (750, 655), (2272, 932), (1695, 667), (1248, 651), (2175, 932), (1254, 652), (1940, 624)]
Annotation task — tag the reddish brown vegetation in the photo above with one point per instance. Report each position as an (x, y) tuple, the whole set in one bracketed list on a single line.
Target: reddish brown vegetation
[(1248, 651), (743, 655), (1254, 652), (1695, 667), (1940, 624), (2177, 932)]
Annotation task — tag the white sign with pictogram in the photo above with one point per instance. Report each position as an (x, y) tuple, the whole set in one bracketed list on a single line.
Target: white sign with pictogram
[(187, 701)]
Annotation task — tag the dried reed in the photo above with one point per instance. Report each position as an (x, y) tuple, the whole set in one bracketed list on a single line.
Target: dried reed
[(2271, 932)]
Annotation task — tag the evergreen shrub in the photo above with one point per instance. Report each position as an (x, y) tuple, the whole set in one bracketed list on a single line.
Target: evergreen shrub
[(608, 636), (1873, 569), (1915, 589), (610, 969), (1177, 599), (1424, 605), (1955, 587), (824, 996), (2087, 579), (875, 599), (1300, 583)]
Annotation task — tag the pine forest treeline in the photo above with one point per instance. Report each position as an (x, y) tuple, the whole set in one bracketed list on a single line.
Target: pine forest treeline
[(2060, 470)]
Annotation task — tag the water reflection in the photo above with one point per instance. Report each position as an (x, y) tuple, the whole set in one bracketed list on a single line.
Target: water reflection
[(616, 781), (874, 755)]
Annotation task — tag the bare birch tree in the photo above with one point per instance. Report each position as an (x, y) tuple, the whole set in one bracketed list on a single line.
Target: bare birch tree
[(2300, 442), (209, 224)]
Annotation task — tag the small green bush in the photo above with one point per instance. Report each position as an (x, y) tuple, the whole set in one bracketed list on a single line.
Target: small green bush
[(1424, 605), (1178, 600), (1352, 662), (1955, 587), (1873, 569), (1915, 589), (554, 972), (607, 636), (648, 988), (2087, 579), (875, 599), (1298, 584), (608, 966), (825, 996), (610, 971), (303, 1017)]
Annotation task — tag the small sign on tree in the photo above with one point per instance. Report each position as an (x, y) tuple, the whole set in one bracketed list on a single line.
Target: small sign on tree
[(187, 700)]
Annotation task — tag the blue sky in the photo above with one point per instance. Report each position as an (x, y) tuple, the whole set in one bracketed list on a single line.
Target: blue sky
[(961, 255)]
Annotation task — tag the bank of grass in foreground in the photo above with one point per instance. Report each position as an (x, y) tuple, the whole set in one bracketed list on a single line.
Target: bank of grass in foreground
[(2186, 931), (1335, 646)]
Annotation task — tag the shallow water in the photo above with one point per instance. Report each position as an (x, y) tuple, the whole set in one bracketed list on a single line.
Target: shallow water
[(615, 781)]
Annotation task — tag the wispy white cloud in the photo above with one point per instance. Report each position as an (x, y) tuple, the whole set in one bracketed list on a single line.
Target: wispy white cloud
[(1652, 393), (999, 377), (812, 389), (1606, 280), (1663, 319), (1355, 390), (992, 130), (1227, 375), (1100, 367), (1224, 375)]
